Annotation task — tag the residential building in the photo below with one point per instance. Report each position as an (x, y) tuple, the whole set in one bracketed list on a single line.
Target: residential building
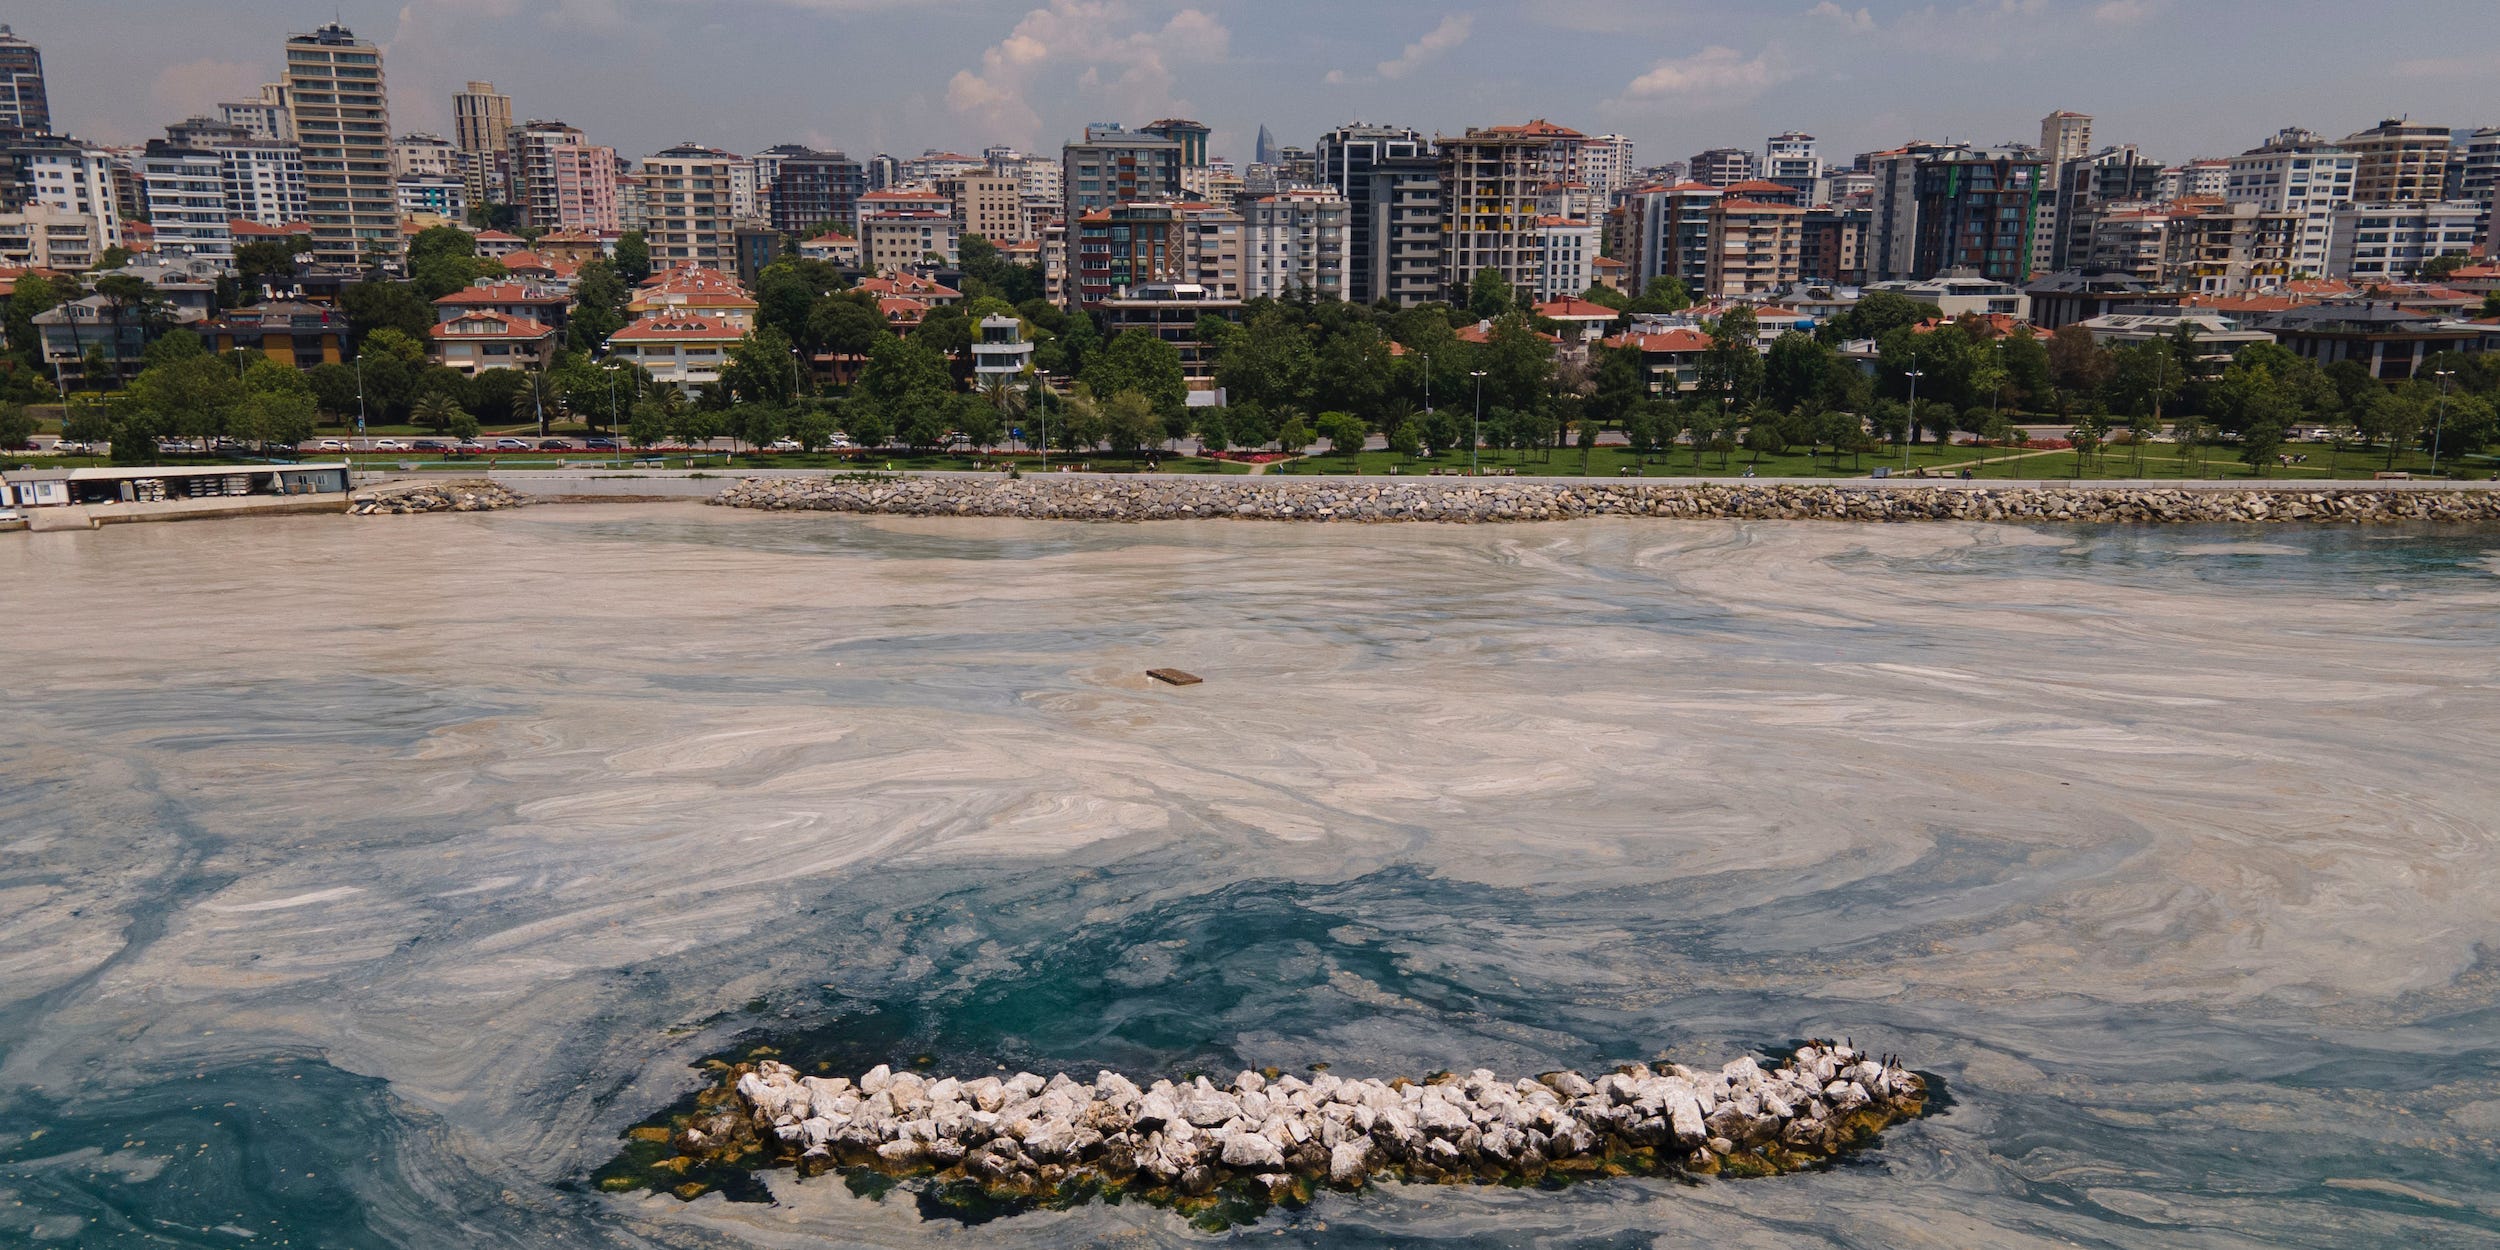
[(1113, 166), (1192, 136), (203, 132), (686, 209), (2391, 342), (1294, 243), (837, 249), (264, 180), (1754, 248), (2399, 161), (265, 118), (1670, 357), (2229, 249), (933, 164), (1575, 200), (806, 189), (689, 291), (1128, 246), (1489, 178), (432, 199), (289, 332), (497, 244), (40, 236), (2382, 243), (2062, 299), (1664, 232), (71, 330), (900, 200), (1000, 352), (892, 241), (2085, 188), (1409, 241), (1831, 246), (1790, 159), (69, 177), (2065, 137), (2300, 173), (186, 200), (560, 180), (422, 153), (1977, 213), (475, 342), (1721, 167), (25, 104), (1963, 293), (1347, 157), (1566, 250), (2199, 180), (1170, 311), (1893, 227), (340, 101), (2216, 335), (517, 301), (986, 204), (1607, 164), (2475, 168), (677, 349), (481, 119)]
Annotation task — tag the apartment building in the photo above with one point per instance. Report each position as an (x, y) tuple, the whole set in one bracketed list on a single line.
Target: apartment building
[(1831, 246), (1755, 247), (1489, 178), (265, 118), (560, 180), (1408, 241), (40, 236), (2089, 186), (806, 188), (2399, 161), (70, 178), (986, 204), (1977, 213), (2297, 172), (1566, 253), (340, 102), (2380, 243), (686, 207), (2065, 136), (264, 180), (1296, 243), (1127, 246), (1113, 166), (1720, 167), (1347, 157), (1664, 232), (899, 240), (24, 101)]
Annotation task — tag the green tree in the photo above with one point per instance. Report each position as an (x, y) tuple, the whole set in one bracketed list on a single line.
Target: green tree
[(1141, 362), (847, 324), (1518, 364), (763, 368), (812, 426), (1796, 370), (632, 258), (260, 266), (1345, 432), (757, 424), (1130, 421), (600, 295), (1294, 435), (1267, 360), (1877, 314), (1731, 368), (334, 388), (373, 306), (1489, 295), (1214, 430), (17, 426), (435, 410), (1406, 438)]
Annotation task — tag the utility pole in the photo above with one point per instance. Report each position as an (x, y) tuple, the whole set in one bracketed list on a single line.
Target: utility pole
[(2440, 429), (1475, 431)]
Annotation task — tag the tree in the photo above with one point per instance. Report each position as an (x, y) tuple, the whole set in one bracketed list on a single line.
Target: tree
[(1406, 438), (633, 258), (435, 410), (1489, 295), (1130, 421), (2077, 364), (762, 368), (263, 266), (652, 419), (980, 419), (757, 424), (373, 306), (333, 388), (277, 408), (1732, 369), (699, 424), (1142, 362), (2438, 268), (1518, 364), (17, 426), (1294, 435), (1345, 432), (1213, 430), (1267, 360), (1795, 370), (196, 398), (1877, 314), (812, 427), (846, 324), (600, 295)]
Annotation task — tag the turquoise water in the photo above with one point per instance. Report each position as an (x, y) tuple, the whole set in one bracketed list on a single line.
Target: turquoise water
[(360, 882)]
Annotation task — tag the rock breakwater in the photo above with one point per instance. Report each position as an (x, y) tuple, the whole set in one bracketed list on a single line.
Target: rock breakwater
[(1225, 1151), (1484, 500), (461, 496)]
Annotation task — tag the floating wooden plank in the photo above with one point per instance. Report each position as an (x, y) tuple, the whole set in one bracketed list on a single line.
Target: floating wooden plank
[(1174, 676)]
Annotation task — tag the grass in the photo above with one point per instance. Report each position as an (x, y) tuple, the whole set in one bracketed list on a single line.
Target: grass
[(2326, 462)]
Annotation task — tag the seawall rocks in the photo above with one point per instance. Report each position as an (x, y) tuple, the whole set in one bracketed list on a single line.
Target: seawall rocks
[(1197, 1144), (462, 496), (1498, 500)]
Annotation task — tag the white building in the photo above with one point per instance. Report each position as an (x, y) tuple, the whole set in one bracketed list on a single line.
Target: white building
[(1000, 353), (433, 199), (264, 118), (2296, 172), (1566, 257), (74, 180), (264, 180), (1606, 164), (1294, 242), (44, 237), (424, 154), (686, 207), (1791, 160), (894, 241), (2390, 242), (186, 192)]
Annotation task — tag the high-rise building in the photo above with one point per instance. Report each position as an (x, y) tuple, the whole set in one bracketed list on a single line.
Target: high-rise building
[(1489, 181), (2301, 173), (2088, 186), (1606, 165), (1791, 160), (686, 214), (1756, 245), (2399, 162), (1346, 157), (2065, 137), (805, 188), (341, 104), (1409, 245), (2476, 170), (24, 103), (985, 204), (427, 154), (264, 118), (1192, 136), (2391, 242), (186, 198), (1891, 251), (1113, 166), (561, 180), (1722, 167), (1264, 151), (1663, 232), (1978, 213), (481, 119), (1295, 243), (264, 180), (72, 179)]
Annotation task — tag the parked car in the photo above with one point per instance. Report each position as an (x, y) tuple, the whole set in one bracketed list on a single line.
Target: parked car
[(65, 447), (600, 444), (471, 444), (842, 442), (786, 444), (332, 444), (430, 444), (389, 444), (554, 444), (512, 444)]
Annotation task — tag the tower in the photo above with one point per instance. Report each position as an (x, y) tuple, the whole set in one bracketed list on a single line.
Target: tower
[(23, 101), (343, 124)]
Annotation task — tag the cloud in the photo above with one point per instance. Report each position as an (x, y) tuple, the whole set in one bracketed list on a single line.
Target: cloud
[(2445, 67), (1860, 20), (1130, 72), (2126, 12), (1435, 44), (1723, 73), (198, 86)]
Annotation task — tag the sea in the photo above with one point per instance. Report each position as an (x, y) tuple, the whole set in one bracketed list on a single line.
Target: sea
[(362, 880)]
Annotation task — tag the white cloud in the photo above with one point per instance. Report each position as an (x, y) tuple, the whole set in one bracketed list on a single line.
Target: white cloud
[(1130, 72), (1859, 20), (1436, 43), (1723, 73)]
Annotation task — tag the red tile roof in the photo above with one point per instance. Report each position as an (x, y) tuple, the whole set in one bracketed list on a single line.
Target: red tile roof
[(1664, 342), (514, 327), (1572, 307), (245, 228), (485, 293), (669, 327)]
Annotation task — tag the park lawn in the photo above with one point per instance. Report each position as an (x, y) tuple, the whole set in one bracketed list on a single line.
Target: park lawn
[(1612, 461), (2222, 463)]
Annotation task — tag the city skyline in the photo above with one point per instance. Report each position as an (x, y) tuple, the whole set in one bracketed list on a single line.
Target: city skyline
[(643, 74)]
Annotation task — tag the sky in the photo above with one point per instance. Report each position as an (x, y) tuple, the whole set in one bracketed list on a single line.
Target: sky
[(2181, 78)]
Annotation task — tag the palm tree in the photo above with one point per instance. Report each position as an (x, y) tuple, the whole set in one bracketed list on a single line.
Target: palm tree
[(435, 410)]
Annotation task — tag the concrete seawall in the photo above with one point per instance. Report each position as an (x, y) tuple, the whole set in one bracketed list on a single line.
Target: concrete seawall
[(1377, 500)]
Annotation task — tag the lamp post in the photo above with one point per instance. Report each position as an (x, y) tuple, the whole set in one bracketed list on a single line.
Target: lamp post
[(359, 359), (1042, 384), (1910, 434), (2441, 427), (1427, 384), (1475, 430)]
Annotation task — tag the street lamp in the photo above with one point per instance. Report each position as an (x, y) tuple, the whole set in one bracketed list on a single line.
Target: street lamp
[(1041, 384), (1475, 431), (1910, 434), (2442, 426), (359, 359), (1427, 384)]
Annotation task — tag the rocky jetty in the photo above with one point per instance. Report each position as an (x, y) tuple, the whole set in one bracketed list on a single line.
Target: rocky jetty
[(461, 496), (1148, 498), (1260, 1139)]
